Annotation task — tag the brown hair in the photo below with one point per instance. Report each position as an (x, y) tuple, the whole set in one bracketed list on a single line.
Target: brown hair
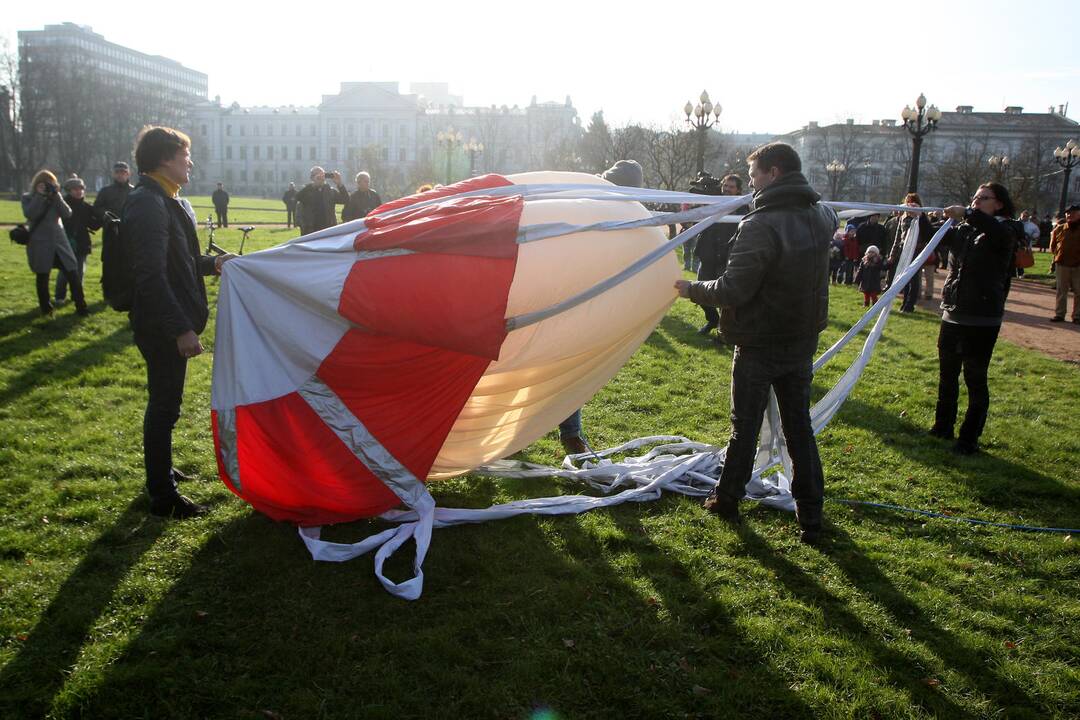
[(733, 178), (913, 197), (156, 145), (44, 176), (1002, 194), (776, 155)]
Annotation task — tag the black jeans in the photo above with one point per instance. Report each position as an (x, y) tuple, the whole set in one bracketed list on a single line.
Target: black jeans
[(967, 348), (61, 278), (911, 292), (42, 286), (222, 217), (165, 371), (788, 370), (289, 215)]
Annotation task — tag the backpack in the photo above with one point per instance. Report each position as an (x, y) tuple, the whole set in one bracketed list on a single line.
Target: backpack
[(117, 265)]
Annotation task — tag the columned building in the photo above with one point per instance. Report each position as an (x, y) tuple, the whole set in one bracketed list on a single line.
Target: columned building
[(401, 139), (955, 157)]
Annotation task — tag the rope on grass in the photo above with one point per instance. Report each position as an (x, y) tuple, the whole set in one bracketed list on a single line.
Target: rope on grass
[(971, 521)]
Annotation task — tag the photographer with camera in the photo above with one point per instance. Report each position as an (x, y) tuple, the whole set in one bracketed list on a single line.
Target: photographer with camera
[(317, 200), (48, 246), (84, 220)]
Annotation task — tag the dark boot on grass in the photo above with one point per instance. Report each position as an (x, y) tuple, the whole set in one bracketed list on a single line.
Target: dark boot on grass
[(574, 445), (809, 517), (939, 431), (724, 507), (177, 507), (965, 447)]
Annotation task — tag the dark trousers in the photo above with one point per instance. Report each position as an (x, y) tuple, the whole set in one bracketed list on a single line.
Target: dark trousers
[(42, 286), (967, 348), (788, 370), (847, 272), (290, 216), (165, 371), (61, 278), (222, 217), (911, 292)]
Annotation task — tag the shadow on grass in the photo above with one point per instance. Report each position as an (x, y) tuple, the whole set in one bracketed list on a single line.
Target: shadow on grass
[(45, 659), (51, 367), (954, 653), (516, 615)]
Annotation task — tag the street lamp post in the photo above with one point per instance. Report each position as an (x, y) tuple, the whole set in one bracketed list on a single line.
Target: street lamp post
[(835, 169), (1000, 165), (474, 148), (1067, 157), (920, 121), (705, 115), (449, 138)]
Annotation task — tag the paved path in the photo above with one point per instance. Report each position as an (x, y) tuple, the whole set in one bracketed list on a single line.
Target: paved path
[(1027, 322)]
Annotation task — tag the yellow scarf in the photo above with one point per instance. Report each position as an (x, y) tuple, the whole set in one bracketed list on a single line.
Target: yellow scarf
[(171, 189)]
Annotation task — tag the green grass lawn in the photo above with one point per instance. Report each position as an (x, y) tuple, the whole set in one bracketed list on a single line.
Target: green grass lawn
[(641, 611), (242, 210)]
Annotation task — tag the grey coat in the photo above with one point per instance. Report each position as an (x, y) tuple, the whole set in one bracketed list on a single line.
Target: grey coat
[(47, 237)]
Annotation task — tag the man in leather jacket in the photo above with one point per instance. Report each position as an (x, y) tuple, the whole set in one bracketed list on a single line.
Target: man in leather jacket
[(774, 301)]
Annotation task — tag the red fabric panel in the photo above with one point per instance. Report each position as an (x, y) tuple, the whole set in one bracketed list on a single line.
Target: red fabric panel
[(477, 183), (407, 395), (466, 226), (452, 302), (293, 467)]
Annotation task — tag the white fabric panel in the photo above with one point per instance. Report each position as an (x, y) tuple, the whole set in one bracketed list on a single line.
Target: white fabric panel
[(277, 319)]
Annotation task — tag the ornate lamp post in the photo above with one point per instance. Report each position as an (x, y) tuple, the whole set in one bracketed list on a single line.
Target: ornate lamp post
[(474, 148), (835, 169), (1000, 165), (920, 121), (705, 115), (450, 139), (1067, 157)]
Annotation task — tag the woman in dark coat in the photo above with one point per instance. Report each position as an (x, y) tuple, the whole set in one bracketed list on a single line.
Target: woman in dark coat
[(48, 247), (973, 302), (914, 287), (83, 221)]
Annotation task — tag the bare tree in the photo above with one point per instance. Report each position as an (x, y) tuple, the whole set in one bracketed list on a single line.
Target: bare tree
[(965, 166), (847, 145), (597, 145), (22, 127), (671, 157)]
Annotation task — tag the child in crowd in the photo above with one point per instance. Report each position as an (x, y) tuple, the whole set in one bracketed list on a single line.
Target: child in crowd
[(836, 256), (868, 276)]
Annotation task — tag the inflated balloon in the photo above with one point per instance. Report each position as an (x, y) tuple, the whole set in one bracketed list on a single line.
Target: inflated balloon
[(355, 363)]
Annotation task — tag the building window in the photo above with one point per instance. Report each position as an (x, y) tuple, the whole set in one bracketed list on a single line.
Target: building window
[(403, 131), (269, 129), (228, 176), (204, 130), (350, 130), (269, 152), (401, 154), (314, 131), (228, 152), (386, 154), (257, 152), (298, 153), (228, 129), (256, 129), (385, 130), (367, 130), (311, 153), (333, 130), (243, 153), (258, 176), (243, 131), (284, 152)]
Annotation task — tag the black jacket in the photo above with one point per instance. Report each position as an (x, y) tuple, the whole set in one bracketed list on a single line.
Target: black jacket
[(317, 204), (112, 198), (872, 234), (83, 221), (170, 295), (981, 266), (926, 231), (713, 247), (776, 285), (360, 204), (220, 198), (289, 198)]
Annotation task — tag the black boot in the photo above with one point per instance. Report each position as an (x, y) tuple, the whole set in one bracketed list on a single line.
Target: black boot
[(809, 517), (726, 508)]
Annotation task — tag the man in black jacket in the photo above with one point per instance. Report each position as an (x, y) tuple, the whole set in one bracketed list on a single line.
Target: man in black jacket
[(220, 198), (169, 307), (289, 198), (361, 202), (317, 200), (774, 301), (712, 245), (83, 221)]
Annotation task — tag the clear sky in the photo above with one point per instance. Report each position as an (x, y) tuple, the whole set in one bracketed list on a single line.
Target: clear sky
[(772, 67)]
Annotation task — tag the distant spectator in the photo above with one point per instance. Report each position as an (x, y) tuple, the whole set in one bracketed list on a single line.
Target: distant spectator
[(220, 198), (868, 276), (1044, 232), (1065, 244), (361, 202), (836, 256), (111, 199), (851, 256), (712, 245), (317, 199), (289, 198), (870, 233), (912, 289), (45, 210), (83, 221)]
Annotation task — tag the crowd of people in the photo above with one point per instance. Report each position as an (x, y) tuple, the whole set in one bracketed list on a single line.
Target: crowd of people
[(763, 284)]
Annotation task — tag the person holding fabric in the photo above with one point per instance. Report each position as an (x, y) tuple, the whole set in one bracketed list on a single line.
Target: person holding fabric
[(1065, 245), (626, 173), (903, 225), (774, 301), (361, 202), (711, 249), (169, 307), (973, 303), (83, 221), (48, 247), (316, 201)]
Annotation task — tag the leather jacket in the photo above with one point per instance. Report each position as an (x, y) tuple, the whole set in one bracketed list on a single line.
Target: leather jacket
[(981, 266), (775, 289)]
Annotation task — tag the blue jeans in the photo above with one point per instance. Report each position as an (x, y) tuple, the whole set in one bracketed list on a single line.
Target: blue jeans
[(788, 370), (571, 426)]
